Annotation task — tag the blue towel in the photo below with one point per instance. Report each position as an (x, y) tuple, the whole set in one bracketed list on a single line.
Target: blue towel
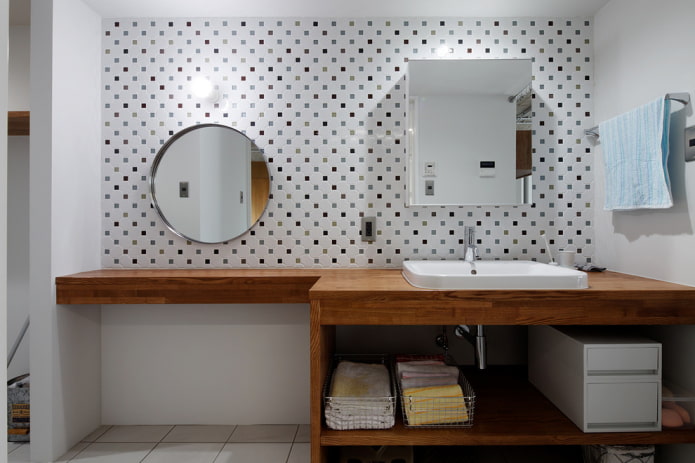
[(635, 152)]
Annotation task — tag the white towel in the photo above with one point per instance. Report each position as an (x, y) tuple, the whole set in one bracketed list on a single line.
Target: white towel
[(360, 397), (635, 154)]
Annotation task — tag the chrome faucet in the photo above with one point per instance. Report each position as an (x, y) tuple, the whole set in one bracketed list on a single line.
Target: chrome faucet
[(471, 251)]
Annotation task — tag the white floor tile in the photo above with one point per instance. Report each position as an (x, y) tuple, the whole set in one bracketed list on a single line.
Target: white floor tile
[(96, 434), (184, 453), (135, 434), (19, 454), (303, 434), (264, 433), (109, 452), (73, 452), (12, 446), (195, 433), (301, 453), (254, 453)]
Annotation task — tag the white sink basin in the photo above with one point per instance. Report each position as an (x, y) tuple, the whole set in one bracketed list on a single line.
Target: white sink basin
[(491, 274)]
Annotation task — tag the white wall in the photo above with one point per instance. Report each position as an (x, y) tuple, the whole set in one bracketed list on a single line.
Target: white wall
[(457, 137), (209, 364), (18, 250), (642, 51), (65, 222), (4, 27), (18, 202), (20, 40)]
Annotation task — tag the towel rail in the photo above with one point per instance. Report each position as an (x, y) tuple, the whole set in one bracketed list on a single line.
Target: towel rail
[(683, 98)]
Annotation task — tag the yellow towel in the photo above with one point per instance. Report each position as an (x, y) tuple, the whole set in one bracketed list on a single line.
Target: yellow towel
[(354, 379), (434, 405)]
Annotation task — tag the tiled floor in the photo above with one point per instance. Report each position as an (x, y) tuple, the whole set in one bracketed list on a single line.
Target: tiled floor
[(186, 444)]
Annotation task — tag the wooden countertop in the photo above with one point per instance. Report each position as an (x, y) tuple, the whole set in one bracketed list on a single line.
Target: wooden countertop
[(382, 296), (178, 286)]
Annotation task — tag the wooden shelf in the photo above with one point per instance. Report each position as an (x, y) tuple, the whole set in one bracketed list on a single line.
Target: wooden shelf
[(509, 411), (17, 123)]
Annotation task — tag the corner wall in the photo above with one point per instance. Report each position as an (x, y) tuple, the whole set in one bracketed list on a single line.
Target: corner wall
[(641, 53), (65, 343)]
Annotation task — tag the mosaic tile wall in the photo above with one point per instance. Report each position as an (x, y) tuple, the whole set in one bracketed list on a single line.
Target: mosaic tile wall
[(325, 100)]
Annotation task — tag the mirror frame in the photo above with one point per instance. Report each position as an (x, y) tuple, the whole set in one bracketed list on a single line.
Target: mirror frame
[(157, 161)]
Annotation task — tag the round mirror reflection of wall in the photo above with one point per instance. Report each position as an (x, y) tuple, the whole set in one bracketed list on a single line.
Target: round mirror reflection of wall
[(209, 183)]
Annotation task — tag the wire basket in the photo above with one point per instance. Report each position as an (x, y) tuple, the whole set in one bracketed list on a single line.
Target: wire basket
[(430, 411), (348, 413)]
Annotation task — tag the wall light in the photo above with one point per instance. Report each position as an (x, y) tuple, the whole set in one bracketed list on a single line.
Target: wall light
[(443, 50), (202, 88)]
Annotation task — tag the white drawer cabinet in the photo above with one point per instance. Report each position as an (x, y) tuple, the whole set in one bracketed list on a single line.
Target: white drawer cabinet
[(602, 381)]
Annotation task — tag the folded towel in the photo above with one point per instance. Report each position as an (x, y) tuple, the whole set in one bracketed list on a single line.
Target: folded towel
[(408, 383), (353, 379), (412, 357), (360, 397), (345, 414), (418, 370), (434, 405), (635, 154)]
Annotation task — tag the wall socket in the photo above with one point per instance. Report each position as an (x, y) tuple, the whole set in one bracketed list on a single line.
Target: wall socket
[(429, 187), (368, 228), (183, 189), (690, 143)]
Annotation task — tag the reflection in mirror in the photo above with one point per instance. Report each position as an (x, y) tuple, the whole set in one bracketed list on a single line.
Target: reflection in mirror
[(469, 132), (209, 183)]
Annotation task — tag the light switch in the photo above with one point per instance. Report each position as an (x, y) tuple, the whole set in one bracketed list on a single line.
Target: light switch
[(429, 170), (487, 169)]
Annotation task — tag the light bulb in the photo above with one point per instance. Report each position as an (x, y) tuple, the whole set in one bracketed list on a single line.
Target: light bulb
[(444, 50), (204, 89)]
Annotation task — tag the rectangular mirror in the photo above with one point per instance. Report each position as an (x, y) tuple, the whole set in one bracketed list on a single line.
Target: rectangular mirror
[(469, 132)]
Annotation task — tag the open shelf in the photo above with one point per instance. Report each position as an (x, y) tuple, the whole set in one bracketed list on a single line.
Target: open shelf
[(509, 411)]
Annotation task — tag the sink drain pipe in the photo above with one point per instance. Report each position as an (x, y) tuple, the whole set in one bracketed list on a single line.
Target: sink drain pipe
[(478, 341)]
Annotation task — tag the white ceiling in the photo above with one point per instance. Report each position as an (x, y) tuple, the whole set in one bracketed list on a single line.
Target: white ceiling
[(19, 9)]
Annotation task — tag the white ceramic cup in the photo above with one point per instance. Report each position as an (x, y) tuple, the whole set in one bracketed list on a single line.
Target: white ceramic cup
[(566, 258)]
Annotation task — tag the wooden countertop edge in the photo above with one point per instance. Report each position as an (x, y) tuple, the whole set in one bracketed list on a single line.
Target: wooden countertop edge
[(147, 286)]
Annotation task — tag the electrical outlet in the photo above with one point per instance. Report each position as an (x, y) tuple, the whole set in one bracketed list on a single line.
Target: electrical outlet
[(183, 189), (690, 143), (429, 188), (368, 228)]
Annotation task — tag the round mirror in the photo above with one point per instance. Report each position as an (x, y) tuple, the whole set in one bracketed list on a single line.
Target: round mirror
[(209, 183)]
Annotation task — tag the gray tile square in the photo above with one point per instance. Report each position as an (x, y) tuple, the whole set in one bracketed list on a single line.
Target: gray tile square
[(300, 453), (199, 433), (254, 453), (264, 433), (114, 452), (137, 433), (191, 452), (96, 434), (303, 433)]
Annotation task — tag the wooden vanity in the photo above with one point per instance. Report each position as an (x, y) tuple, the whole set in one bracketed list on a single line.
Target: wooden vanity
[(509, 411)]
